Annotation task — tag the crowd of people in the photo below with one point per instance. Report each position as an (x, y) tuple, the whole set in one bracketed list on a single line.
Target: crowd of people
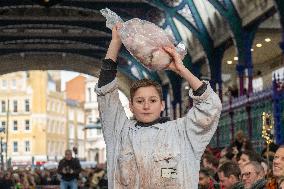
[(50, 179), (239, 166)]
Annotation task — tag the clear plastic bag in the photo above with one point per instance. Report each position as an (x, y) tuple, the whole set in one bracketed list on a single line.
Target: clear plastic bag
[(144, 40)]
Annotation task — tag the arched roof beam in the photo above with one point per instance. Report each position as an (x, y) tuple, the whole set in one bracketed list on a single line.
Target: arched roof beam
[(243, 37)]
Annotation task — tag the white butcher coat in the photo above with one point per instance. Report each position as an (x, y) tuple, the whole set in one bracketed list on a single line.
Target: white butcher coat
[(161, 156)]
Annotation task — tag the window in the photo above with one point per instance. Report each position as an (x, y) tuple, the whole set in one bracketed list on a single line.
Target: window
[(27, 125), (15, 106), (15, 146), (27, 146), (3, 124), (4, 84), (3, 106), (15, 125), (14, 83), (90, 94), (27, 105)]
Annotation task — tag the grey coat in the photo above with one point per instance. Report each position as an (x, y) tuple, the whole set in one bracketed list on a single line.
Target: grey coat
[(161, 156)]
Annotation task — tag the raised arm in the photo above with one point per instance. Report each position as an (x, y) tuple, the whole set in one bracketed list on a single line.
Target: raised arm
[(114, 45), (202, 119), (112, 113)]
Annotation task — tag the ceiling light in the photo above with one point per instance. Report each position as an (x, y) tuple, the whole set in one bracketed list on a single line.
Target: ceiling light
[(258, 45), (229, 62), (236, 58), (267, 39), (251, 50)]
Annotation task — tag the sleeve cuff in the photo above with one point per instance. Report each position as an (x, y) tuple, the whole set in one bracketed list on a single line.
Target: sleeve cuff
[(208, 90), (106, 88), (108, 64), (200, 90)]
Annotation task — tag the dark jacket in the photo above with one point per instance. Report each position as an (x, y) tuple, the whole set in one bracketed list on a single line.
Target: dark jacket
[(260, 184), (69, 169), (238, 185)]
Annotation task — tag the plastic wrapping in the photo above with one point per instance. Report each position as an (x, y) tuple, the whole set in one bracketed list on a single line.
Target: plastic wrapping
[(144, 40)]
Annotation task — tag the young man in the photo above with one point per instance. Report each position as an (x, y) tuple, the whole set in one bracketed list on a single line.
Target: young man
[(69, 168), (150, 152), (229, 175), (206, 181)]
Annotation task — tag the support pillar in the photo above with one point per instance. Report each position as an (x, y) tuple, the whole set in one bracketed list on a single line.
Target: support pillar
[(240, 70)]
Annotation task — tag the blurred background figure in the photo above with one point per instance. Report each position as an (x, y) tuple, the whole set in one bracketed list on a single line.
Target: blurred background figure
[(206, 181), (69, 168)]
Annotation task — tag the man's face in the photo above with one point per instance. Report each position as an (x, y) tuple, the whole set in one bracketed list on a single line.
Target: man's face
[(146, 104), (226, 182), (206, 164), (278, 163), (68, 155), (204, 181), (244, 159), (249, 175)]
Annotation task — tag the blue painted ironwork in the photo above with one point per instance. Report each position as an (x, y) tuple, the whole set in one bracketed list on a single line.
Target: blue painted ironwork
[(243, 38), (278, 96), (198, 31), (280, 7)]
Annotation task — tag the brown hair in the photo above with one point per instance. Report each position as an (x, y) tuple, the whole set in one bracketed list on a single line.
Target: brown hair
[(145, 83), (230, 168)]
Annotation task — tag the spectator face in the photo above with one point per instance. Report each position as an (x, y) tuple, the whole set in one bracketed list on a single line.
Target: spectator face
[(278, 163), (249, 175), (206, 164), (281, 186), (226, 182), (68, 155), (204, 181), (147, 105), (244, 159)]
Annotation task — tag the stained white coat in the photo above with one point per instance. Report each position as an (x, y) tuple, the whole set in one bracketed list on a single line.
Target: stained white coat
[(161, 156)]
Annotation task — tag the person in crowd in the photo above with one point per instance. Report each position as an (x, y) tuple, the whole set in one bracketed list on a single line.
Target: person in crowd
[(150, 151), (7, 182), (229, 175), (210, 162), (246, 145), (206, 181), (69, 168), (281, 182), (248, 156), (278, 163), (253, 175), (239, 139)]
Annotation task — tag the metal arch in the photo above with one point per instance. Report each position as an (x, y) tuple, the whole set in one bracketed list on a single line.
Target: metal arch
[(243, 37), (50, 26), (91, 7), (79, 6), (92, 24), (94, 41), (83, 52), (200, 31), (51, 41)]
